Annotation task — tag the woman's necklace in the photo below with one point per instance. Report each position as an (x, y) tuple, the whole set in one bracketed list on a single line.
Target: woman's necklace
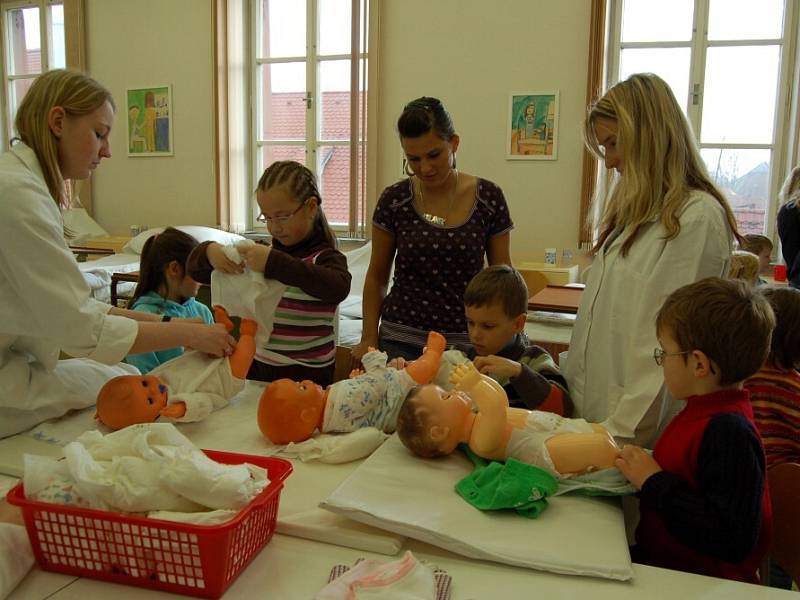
[(434, 219)]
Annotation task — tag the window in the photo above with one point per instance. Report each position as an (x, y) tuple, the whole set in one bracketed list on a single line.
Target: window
[(33, 42), (728, 63), (309, 99)]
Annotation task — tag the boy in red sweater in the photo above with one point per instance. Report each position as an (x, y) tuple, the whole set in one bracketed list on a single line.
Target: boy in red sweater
[(704, 501)]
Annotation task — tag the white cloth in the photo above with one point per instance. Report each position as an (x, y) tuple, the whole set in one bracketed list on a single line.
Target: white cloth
[(403, 579), (337, 448), (45, 303), (372, 399), (611, 374), (247, 295), (203, 383), (141, 468)]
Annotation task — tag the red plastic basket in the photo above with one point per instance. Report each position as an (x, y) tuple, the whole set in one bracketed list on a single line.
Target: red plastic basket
[(198, 560)]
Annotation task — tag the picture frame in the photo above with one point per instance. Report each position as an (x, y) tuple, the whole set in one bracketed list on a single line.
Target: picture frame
[(532, 126), (150, 123)]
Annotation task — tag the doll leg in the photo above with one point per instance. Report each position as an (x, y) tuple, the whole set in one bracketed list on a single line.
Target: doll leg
[(424, 369), (582, 452), (221, 316), (242, 357)]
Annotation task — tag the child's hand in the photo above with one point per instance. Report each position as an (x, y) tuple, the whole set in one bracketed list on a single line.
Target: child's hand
[(256, 257), (497, 366), (465, 376), (636, 464), (398, 363), (355, 373), (220, 261)]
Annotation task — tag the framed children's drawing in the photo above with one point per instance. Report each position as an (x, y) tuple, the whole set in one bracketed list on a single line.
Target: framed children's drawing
[(150, 121), (532, 126)]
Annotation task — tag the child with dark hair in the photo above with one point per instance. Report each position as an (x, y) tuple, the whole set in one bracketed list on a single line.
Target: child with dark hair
[(496, 307), (302, 256), (165, 288), (775, 393), (705, 505), (775, 389)]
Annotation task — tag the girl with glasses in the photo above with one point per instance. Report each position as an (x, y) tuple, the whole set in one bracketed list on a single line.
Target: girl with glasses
[(303, 256)]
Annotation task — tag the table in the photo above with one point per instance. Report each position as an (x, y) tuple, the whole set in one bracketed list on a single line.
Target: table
[(557, 298)]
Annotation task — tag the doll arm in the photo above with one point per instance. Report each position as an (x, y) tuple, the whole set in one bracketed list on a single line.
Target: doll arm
[(490, 431)]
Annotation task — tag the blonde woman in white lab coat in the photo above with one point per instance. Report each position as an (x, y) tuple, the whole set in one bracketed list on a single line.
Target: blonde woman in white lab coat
[(663, 224), (64, 123)]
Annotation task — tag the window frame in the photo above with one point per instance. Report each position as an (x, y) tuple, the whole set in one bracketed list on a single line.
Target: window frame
[(782, 146), (6, 123), (362, 54)]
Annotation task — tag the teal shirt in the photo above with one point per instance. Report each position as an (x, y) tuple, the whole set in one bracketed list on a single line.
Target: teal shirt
[(153, 303)]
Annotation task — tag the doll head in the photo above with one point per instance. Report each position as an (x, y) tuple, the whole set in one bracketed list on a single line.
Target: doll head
[(433, 421), (130, 399), (290, 411)]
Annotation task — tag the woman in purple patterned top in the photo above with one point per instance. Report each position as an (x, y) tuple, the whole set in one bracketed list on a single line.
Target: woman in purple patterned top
[(436, 227)]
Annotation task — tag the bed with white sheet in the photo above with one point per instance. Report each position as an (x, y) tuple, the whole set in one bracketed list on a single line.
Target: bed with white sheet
[(97, 274), (350, 315)]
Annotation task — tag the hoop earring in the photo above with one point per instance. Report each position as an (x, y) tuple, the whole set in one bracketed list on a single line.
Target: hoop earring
[(454, 161), (407, 169)]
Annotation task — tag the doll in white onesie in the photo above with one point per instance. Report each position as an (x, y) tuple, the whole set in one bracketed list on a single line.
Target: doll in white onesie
[(291, 411)]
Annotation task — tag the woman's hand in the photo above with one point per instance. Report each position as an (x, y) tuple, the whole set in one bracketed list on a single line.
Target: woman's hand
[(214, 339), (256, 256), (637, 465), (220, 261)]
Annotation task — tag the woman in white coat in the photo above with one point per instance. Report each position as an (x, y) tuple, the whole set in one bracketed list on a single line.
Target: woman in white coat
[(64, 123), (664, 224)]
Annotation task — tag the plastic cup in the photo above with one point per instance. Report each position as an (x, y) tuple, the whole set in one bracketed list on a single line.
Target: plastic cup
[(779, 273)]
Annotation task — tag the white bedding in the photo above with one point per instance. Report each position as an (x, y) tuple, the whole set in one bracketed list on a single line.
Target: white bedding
[(397, 491), (97, 274)]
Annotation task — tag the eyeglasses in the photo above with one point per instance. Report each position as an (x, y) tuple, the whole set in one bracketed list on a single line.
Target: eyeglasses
[(659, 354), (282, 220)]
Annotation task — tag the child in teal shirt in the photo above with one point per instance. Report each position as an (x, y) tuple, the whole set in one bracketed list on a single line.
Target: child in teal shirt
[(164, 288)]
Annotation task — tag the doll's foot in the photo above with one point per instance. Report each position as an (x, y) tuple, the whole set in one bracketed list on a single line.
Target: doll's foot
[(436, 342), (221, 316), (173, 411), (465, 376), (248, 327)]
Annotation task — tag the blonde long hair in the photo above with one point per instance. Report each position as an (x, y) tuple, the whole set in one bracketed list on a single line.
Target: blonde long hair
[(790, 191), (78, 95), (661, 162)]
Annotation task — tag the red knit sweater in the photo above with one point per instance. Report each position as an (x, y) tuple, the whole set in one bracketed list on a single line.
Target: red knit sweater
[(708, 511)]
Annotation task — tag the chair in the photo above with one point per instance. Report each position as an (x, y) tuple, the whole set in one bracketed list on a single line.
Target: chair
[(535, 280), (784, 489)]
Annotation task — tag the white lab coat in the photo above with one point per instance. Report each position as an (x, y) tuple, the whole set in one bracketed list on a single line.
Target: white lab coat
[(45, 306), (610, 370)]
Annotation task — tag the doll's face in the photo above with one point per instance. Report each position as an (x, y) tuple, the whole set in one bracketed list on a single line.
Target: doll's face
[(131, 399), (290, 411), (446, 412)]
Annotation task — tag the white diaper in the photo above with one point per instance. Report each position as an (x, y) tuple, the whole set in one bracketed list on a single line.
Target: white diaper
[(528, 445)]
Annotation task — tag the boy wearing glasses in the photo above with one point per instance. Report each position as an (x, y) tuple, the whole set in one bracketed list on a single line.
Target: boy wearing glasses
[(704, 503)]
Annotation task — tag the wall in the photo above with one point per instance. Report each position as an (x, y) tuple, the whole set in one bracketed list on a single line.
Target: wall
[(148, 43), (471, 54)]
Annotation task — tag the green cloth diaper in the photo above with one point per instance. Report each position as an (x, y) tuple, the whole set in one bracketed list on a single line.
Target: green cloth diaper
[(495, 486)]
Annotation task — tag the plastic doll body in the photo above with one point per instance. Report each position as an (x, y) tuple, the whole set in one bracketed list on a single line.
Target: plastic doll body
[(291, 411), (449, 421), (131, 399)]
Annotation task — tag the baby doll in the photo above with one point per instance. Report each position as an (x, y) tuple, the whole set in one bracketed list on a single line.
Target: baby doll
[(186, 388), (290, 411), (433, 422)]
